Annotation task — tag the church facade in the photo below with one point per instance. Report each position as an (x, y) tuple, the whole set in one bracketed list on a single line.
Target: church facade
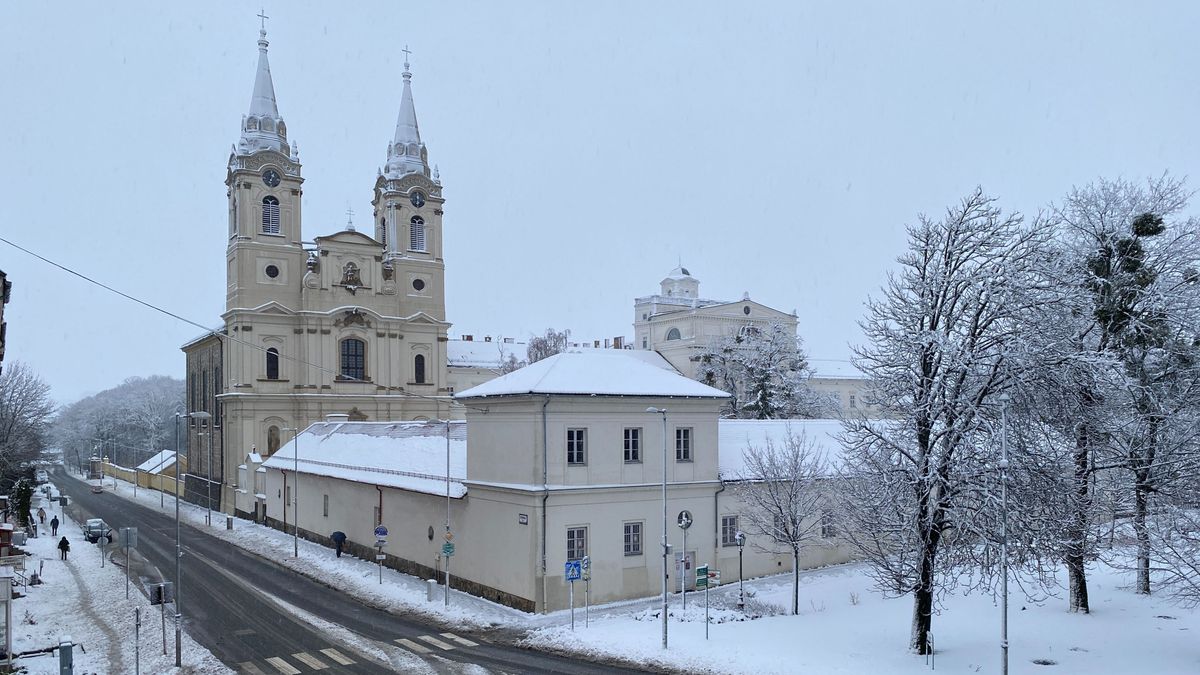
[(347, 323)]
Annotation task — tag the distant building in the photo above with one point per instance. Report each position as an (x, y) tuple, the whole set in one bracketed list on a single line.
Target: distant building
[(471, 362)]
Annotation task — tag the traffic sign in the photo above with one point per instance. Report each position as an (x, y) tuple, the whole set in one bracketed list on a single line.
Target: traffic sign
[(684, 519), (702, 576), (573, 570), (381, 532), (448, 549)]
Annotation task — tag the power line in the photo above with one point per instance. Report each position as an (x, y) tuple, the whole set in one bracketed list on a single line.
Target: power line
[(225, 336)]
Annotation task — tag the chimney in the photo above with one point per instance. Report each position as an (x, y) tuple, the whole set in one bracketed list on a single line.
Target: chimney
[(336, 418), (487, 338), (468, 338), (618, 342), (508, 341)]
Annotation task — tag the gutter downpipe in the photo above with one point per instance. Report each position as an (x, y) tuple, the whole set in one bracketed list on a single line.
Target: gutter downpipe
[(717, 515), (545, 493)]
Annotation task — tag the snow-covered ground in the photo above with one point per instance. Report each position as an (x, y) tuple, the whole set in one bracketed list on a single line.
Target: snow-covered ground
[(843, 626), (82, 600)]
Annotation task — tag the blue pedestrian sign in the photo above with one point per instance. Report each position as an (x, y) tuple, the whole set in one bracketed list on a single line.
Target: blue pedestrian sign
[(381, 532), (574, 570)]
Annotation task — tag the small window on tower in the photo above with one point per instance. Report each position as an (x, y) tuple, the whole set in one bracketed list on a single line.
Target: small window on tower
[(416, 237), (270, 217), (418, 285)]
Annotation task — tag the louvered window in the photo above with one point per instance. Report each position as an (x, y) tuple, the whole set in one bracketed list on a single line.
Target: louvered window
[(270, 221), (416, 236)]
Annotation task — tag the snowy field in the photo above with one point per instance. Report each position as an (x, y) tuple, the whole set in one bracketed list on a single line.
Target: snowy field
[(82, 600), (843, 626)]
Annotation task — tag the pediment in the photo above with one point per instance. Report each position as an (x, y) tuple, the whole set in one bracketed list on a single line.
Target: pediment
[(351, 237)]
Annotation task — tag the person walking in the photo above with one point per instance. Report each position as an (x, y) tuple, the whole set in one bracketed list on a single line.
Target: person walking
[(339, 541), (63, 547), (41, 515), (54, 526)]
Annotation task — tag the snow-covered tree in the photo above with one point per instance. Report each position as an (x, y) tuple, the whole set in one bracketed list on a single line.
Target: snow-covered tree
[(129, 422), (545, 346), (25, 410), (944, 341), (784, 490), (764, 373)]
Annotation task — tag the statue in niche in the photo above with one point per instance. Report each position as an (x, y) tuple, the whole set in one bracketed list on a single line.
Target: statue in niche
[(388, 270), (314, 263), (350, 278)]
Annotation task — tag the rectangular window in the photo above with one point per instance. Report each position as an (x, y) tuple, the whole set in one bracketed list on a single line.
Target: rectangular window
[(633, 538), (853, 401), (576, 542), (729, 530), (287, 495), (633, 445), (780, 532), (576, 446), (683, 444), (325, 506), (828, 526)]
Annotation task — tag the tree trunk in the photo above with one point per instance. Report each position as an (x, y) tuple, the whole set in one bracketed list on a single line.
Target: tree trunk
[(922, 619), (795, 582), (1140, 508), (1078, 531)]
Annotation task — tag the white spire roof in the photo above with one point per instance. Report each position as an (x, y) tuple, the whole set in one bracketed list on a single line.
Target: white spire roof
[(406, 153), (263, 128)]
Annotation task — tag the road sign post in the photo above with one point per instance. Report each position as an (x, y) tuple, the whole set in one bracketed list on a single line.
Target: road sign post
[(448, 551), (128, 540), (586, 563), (573, 571)]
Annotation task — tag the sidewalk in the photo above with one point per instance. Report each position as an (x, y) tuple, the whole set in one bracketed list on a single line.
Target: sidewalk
[(80, 599)]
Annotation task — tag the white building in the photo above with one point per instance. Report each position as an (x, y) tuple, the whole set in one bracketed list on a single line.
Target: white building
[(561, 460)]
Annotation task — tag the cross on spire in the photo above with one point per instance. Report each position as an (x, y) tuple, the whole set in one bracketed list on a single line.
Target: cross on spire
[(262, 14), (349, 215)]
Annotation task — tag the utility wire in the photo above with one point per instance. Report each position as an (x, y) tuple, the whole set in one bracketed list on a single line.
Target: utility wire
[(224, 336)]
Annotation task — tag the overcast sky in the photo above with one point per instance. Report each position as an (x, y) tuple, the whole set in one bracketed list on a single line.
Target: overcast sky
[(774, 147)]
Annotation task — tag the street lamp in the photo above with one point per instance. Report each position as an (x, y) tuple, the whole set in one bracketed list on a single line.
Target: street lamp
[(203, 415), (740, 538), (179, 413), (295, 490), (1004, 398), (665, 547)]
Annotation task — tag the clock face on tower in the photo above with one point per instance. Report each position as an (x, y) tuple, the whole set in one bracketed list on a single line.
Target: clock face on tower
[(417, 199), (271, 178)]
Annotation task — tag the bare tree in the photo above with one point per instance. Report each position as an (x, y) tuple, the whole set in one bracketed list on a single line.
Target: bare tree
[(783, 488), (545, 346), (25, 410), (944, 341)]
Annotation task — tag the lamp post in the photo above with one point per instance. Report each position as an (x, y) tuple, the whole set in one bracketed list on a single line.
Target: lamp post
[(1004, 398), (295, 490), (665, 547), (179, 413), (204, 416), (740, 538)]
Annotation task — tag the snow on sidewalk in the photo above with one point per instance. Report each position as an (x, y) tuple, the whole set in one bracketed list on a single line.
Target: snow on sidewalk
[(80, 599)]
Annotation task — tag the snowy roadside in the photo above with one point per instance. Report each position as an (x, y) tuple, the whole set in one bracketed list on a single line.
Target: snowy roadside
[(843, 625), (86, 602)]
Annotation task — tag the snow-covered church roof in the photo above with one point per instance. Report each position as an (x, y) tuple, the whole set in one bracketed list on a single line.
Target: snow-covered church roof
[(599, 372)]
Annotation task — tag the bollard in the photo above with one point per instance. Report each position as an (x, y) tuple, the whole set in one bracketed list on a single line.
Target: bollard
[(229, 522), (430, 585), (66, 659)]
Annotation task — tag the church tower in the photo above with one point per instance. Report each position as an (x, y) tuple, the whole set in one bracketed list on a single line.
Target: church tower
[(408, 216), (264, 256)]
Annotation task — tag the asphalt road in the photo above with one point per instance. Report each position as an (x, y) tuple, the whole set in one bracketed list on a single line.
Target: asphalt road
[(231, 605)]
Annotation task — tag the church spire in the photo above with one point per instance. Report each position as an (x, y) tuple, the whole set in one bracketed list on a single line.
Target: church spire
[(263, 128), (406, 153)]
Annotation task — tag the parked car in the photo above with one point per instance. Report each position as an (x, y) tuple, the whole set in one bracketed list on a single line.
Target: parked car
[(96, 529), (97, 487)]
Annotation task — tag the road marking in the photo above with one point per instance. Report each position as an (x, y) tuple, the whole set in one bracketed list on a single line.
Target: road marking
[(420, 649), (249, 668), (460, 640), (282, 666), (243, 632), (435, 642), (337, 656), (310, 661)]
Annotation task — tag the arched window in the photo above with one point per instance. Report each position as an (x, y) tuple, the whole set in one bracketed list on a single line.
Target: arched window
[(673, 334), (270, 224), (354, 359), (419, 369), (272, 364), (416, 236)]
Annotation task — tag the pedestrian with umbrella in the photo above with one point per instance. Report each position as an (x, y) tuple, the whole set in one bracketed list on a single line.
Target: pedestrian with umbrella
[(339, 540)]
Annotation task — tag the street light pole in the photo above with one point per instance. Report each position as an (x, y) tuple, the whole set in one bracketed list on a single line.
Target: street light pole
[(178, 552), (208, 498), (295, 491), (197, 415), (1004, 532), (740, 538), (665, 546)]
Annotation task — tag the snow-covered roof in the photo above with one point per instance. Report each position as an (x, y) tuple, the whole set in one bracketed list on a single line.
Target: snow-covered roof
[(476, 354), (405, 455), (734, 436), (598, 372), (835, 369), (159, 462), (219, 330)]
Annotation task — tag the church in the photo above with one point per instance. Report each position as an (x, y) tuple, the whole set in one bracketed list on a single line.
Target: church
[(349, 323)]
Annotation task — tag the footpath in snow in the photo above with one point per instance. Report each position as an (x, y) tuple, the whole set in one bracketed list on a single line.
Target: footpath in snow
[(81, 599), (843, 626)]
